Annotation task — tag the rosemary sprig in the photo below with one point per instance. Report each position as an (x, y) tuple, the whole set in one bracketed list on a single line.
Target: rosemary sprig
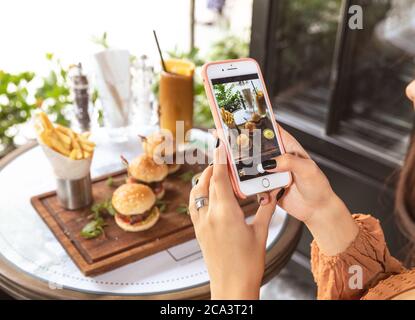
[(187, 176), (162, 205), (110, 182), (182, 209)]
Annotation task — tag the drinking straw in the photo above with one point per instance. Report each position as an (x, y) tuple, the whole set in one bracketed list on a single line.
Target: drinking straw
[(242, 100), (161, 54), (143, 138), (256, 92)]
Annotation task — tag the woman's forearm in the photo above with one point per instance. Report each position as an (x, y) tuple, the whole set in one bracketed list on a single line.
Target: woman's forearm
[(237, 292), (333, 227)]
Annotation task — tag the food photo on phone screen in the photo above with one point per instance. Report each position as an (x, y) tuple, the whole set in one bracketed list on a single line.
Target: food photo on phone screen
[(247, 123)]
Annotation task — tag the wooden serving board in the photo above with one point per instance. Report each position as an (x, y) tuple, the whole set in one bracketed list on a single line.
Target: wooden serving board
[(116, 247)]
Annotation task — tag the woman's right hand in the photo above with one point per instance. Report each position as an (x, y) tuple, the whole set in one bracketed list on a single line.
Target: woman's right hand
[(410, 92), (310, 190), (311, 199)]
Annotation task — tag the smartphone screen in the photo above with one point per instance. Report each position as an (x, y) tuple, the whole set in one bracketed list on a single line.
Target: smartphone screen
[(246, 119)]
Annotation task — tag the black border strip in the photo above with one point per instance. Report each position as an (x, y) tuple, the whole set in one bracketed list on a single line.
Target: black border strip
[(251, 76)]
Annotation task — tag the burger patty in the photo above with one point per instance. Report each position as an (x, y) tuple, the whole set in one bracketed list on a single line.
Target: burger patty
[(137, 218), (156, 186)]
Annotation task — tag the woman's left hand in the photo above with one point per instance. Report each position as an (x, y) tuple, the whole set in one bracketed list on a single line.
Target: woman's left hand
[(234, 251)]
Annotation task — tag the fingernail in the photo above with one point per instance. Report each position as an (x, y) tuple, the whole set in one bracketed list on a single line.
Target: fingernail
[(197, 181), (280, 194), (211, 164), (217, 142), (260, 200), (267, 165)]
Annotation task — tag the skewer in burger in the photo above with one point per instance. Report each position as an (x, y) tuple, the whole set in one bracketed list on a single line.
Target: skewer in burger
[(159, 145), (145, 170), (135, 207)]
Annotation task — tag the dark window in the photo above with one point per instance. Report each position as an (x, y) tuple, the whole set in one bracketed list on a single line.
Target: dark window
[(304, 38), (345, 86), (377, 113)]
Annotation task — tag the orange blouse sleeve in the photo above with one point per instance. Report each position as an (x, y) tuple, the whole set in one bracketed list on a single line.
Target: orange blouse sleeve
[(368, 252)]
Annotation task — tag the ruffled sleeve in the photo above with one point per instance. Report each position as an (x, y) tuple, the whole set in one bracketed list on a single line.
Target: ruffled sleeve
[(337, 277)]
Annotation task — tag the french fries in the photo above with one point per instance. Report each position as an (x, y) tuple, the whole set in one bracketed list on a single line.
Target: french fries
[(63, 140)]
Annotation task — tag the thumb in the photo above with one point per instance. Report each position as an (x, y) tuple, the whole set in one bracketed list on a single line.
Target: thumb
[(301, 168), (264, 214)]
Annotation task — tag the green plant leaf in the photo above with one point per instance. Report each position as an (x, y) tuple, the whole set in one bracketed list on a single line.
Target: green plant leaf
[(182, 209), (111, 209), (110, 182), (101, 40), (93, 229)]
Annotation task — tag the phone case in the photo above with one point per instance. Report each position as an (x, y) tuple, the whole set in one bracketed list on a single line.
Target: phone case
[(218, 123)]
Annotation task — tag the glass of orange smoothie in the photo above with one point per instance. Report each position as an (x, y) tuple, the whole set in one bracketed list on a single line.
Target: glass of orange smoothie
[(176, 98)]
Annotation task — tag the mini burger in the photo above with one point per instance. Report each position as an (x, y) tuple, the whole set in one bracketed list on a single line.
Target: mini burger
[(159, 145), (135, 207), (145, 170)]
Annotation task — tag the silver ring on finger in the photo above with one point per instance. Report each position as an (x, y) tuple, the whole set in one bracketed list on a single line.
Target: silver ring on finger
[(201, 202)]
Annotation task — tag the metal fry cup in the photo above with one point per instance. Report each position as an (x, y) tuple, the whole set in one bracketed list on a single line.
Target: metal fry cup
[(74, 194), (73, 179)]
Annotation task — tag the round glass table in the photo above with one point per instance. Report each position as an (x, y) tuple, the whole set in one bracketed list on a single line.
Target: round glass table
[(33, 264)]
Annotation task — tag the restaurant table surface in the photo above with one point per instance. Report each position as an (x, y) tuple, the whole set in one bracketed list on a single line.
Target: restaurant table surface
[(29, 249)]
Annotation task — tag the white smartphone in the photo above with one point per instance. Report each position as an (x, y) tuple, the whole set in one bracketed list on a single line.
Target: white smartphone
[(245, 121)]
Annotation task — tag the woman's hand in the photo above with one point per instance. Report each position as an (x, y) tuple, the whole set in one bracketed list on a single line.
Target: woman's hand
[(310, 190), (234, 251), (410, 92), (311, 199)]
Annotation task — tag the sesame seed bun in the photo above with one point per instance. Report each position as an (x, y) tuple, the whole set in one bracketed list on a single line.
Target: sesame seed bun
[(132, 199), (141, 226), (159, 144), (145, 169)]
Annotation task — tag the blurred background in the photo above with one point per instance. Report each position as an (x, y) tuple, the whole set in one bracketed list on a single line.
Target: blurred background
[(340, 92)]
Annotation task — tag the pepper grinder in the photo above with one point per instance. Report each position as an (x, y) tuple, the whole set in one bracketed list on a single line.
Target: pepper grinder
[(142, 80), (80, 87)]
